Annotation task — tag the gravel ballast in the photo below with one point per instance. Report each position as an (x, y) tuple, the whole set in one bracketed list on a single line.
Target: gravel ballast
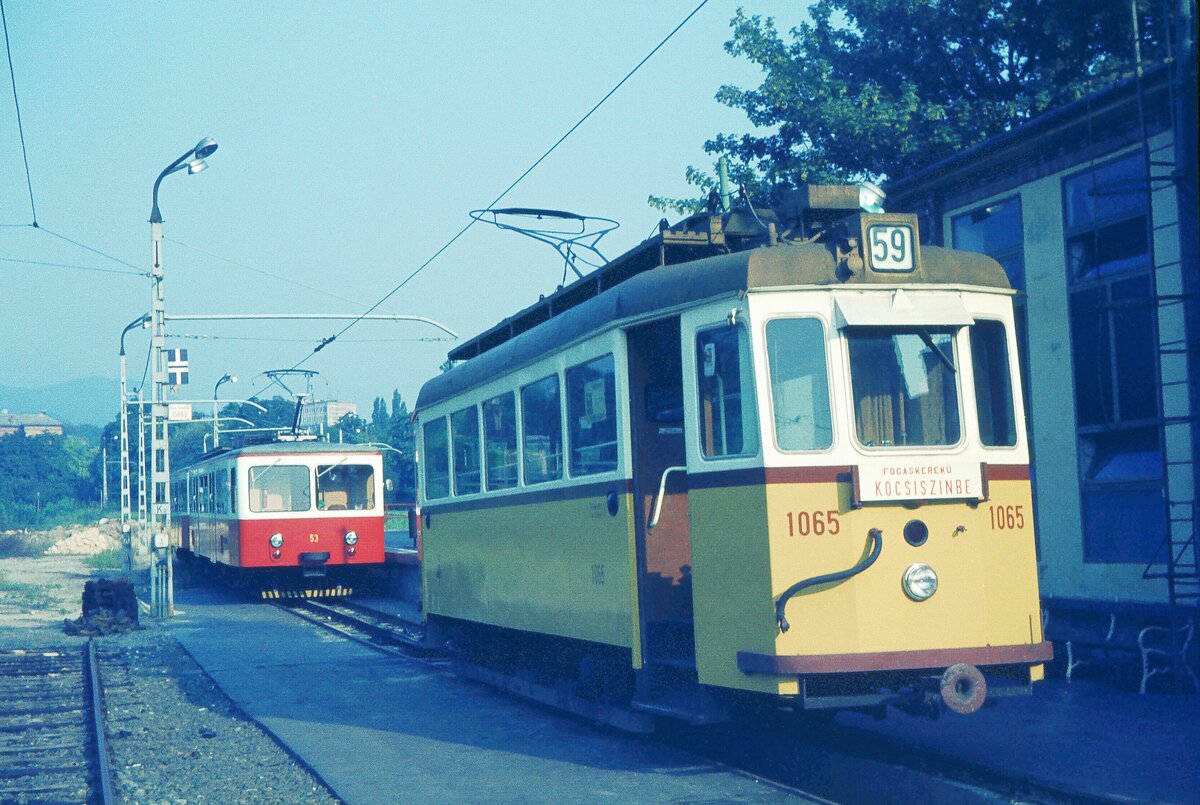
[(174, 736)]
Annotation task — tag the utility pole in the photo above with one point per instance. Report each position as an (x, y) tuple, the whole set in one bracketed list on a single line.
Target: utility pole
[(162, 582)]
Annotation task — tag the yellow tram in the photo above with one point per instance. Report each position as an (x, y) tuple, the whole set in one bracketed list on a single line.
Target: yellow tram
[(766, 456)]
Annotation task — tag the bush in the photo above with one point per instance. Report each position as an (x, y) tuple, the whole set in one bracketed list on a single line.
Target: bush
[(109, 559), (24, 544)]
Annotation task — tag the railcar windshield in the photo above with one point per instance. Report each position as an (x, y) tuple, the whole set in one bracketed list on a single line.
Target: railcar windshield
[(343, 487), (799, 384), (905, 384), (280, 488)]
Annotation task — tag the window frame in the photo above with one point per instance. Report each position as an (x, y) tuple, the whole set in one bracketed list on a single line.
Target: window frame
[(251, 485), (568, 442), (425, 452), (999, 255), (524, 424), (749, 390), (1009, 337), (1099, 222), (511, 394), (454, 474), (769, 398), (956, 340)]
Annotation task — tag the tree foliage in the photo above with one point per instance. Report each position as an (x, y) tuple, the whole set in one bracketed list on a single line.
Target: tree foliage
[(875, 89), (45, 475), (394, 430)]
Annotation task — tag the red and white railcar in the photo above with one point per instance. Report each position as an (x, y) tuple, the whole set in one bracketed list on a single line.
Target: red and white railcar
[(294, 519)]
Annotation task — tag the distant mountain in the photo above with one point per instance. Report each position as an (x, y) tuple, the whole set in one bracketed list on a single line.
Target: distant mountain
[(86, 401)]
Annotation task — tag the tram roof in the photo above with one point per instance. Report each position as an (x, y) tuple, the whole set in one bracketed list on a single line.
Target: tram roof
[(670, 287), (276, 448)]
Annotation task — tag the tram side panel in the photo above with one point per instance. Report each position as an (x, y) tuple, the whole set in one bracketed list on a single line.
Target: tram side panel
[(551, 562)]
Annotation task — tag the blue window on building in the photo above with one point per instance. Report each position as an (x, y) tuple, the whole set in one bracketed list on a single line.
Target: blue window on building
[(1106, 217), (996, 230)]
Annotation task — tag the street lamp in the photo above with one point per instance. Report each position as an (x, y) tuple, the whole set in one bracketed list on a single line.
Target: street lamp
[(161, 581), (225, 378)]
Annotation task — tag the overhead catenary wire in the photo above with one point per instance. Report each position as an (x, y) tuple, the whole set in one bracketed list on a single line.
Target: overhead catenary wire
[(17, 105), (90, 249), (508, 189), (204, 337), (75, 267), (280, 277)]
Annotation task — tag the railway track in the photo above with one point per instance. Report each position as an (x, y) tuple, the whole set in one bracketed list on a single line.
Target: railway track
[(364, 625), (843, 763), (52, 742)]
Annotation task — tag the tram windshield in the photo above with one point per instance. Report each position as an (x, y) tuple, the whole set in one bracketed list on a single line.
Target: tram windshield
[(345, 486), (905, 384), (280, 488)]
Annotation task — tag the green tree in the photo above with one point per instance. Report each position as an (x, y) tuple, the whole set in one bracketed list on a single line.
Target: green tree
[(46, 475), (875, 89)]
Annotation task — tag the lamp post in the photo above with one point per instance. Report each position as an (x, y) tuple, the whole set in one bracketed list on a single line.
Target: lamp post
[(161, 581), (126, 505), (225, 378)]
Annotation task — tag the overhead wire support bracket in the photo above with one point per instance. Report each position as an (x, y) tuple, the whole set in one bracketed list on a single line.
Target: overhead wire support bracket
[(573, 233)]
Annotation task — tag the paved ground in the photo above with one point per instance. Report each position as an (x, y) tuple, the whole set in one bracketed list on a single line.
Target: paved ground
[(386, 730), (1083, 736)]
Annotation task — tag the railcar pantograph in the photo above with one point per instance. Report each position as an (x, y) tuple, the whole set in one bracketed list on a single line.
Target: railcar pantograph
[(769, 457)]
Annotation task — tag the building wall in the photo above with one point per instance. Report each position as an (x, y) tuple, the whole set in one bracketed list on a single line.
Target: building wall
[(1052, 394)]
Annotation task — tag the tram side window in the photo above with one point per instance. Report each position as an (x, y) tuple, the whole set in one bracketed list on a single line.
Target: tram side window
[(799, 384), (437, 459), (345, 486), (592, 416), (541, 419), (280, 488), (727, 426), (993, 384), (905, 386), (464, 436), (233, 507), (500, 441)]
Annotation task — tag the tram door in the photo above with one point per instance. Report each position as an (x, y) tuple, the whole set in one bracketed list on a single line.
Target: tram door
[(659, 463)]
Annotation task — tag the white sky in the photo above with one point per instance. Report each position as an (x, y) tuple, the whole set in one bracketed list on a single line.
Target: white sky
[(354, 138)]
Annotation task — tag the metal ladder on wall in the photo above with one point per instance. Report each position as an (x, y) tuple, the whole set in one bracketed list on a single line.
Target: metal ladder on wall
[(1175, 559)]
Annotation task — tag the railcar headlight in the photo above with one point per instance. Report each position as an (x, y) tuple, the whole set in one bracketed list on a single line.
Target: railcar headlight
[(277, 540), (920, 582), (351, 538)]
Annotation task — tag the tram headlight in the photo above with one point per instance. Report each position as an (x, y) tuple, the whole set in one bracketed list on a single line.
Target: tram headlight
[(351, 538), (277, 540), (920, 582)]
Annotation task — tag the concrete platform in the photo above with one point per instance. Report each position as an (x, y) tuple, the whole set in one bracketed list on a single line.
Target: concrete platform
[(1081, 736), (385, 730)]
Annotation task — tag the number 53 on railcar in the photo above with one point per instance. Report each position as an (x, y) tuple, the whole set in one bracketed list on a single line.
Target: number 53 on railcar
[(292, 519), (768, 455)]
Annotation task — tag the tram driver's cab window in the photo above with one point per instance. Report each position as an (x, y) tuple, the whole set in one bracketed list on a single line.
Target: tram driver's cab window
[(343, 487), (280, 488), (993, 384), (905, 385), (799, 384), (727, 426)]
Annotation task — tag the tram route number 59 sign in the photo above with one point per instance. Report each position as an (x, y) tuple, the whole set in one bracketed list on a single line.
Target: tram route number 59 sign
[(890, 247)]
